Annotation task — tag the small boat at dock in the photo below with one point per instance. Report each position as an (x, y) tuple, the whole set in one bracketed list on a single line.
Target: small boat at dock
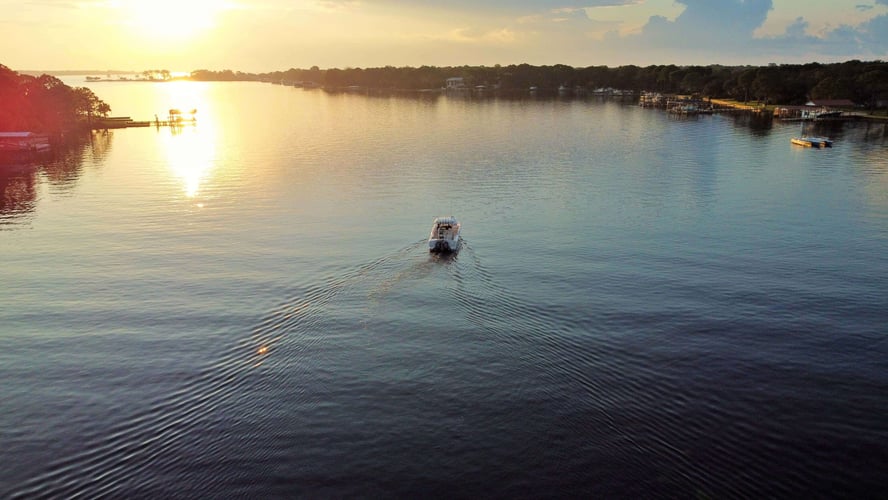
[(444, 236), (812, 142)]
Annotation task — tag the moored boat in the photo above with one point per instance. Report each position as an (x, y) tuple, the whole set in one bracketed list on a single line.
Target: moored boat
[(812, 142), (444, 236)]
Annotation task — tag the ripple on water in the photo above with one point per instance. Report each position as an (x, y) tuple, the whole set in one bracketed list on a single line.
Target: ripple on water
[(642, 306)]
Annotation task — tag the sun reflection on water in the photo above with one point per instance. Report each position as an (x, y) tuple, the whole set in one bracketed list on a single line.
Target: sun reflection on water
[(190, 144), (190, 154)]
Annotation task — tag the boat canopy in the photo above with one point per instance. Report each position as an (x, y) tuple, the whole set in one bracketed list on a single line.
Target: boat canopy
[(445, 220)]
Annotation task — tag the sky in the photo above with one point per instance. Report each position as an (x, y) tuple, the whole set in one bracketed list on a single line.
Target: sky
[(273, 35)]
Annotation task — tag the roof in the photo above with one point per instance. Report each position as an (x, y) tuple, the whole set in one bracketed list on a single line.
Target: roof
[(17, 135), (445, 220), (839, 103)]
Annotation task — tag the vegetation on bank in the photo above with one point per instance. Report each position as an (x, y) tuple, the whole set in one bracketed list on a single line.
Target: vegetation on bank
[(45, 104), (865, 83)]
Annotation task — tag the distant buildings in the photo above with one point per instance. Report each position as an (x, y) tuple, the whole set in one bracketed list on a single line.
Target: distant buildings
[(815, 109), (455, 83), (23, 141), (831, 103)]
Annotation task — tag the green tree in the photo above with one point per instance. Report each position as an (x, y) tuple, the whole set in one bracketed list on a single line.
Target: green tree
[(873, 86), (44, 103), (744, 82), (833, 88)]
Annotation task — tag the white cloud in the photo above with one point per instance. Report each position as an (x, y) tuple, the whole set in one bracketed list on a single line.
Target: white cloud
[(263, 35), (729, 32)]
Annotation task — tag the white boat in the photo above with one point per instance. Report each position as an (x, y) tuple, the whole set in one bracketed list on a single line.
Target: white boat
[(444, 236)]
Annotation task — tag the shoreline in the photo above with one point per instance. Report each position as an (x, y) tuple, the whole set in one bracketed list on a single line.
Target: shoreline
[(769, 108)]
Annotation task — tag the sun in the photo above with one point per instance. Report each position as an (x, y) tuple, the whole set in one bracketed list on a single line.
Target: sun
[(173, 19)]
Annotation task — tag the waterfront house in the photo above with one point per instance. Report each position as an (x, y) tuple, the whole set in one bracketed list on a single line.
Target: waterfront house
[(23, 141), (830, 103), (455, 83)]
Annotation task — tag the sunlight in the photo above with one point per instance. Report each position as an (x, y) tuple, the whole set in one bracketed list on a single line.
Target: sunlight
[(190, 147), (190, 154), (173, 19), (186, 95)]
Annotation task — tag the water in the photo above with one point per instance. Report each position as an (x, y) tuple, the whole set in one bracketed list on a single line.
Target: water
[(642, 306)]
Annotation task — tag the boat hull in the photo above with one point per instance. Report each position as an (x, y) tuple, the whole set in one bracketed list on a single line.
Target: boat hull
[(812, 142), (444, 236), (443, 245)]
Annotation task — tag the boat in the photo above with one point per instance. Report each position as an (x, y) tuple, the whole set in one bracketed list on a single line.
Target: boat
[(444, 236), (812, 142), (825, 115)]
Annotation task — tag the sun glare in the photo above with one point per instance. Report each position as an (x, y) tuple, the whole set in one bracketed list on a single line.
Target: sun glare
[(190, 147), (173, 19), (190, 155)]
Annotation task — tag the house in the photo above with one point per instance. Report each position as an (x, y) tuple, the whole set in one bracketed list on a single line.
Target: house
[(454, 83), (23, 141), (830, 103)]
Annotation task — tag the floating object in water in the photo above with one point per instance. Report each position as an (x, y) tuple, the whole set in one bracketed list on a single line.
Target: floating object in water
[(444, 236), (812, 142)]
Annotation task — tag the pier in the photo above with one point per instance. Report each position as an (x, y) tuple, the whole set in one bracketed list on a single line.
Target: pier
[(114, 124), (731, 104), (175, 118)]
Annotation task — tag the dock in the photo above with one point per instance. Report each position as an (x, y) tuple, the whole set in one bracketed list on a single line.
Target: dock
[(174, 119), (115, 122), (107, 125)]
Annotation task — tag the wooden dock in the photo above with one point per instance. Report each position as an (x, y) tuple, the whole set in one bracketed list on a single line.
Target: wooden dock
[(127, 122)]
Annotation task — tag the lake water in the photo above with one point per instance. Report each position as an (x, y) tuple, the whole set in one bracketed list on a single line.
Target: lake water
[(642, 306)]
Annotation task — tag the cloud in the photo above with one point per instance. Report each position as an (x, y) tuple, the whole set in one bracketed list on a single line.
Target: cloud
[(797, 29), (724, 31), (516, 5), (468, 35), (337, 5), (874, 34), (516, 8), (54, 4), (718, 24), (701, 32), (864, 40)]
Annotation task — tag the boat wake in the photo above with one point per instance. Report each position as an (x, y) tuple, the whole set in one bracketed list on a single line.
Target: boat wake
[(289, 377), (228, 386)]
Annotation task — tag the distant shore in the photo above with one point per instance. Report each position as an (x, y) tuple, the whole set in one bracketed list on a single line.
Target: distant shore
[(750, 88), (880, 115), (142, 80)]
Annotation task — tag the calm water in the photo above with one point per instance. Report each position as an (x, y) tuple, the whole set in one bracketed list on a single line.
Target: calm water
[(642, 306)]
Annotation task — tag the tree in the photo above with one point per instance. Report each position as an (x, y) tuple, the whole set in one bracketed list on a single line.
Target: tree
[(873, 86), (768, 85), (833, 88), (89, 105), (693, 81), (744, 81), (44, 103)]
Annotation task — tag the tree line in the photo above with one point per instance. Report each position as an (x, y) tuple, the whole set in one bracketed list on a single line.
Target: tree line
[(45, 104), (864, 82)]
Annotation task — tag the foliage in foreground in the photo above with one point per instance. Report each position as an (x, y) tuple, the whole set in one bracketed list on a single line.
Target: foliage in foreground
[(44, 103)]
